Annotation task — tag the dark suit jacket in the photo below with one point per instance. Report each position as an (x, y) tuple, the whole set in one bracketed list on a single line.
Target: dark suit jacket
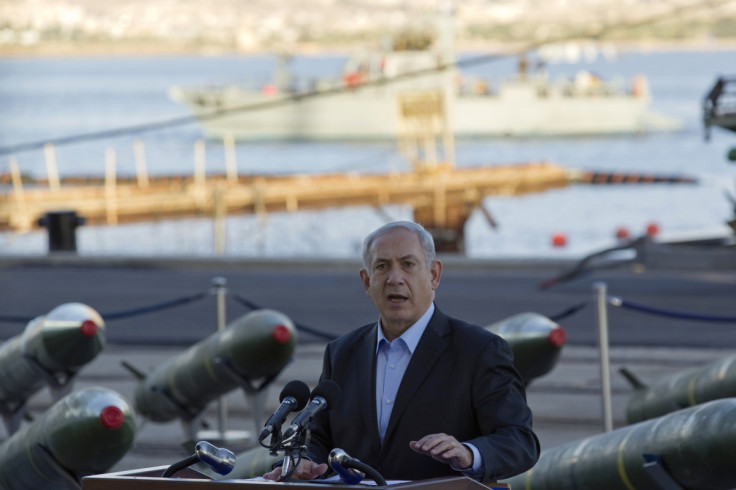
[(460, 381)]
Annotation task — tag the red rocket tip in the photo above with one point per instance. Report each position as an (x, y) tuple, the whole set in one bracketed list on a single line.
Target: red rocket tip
[(112, 417), (88, 328), (281, 334), (557, 337)]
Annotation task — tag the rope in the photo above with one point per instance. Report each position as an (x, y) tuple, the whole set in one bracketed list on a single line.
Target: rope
[(615, 301), (299, 326), (156, 307), (16, 319), (121, 314), (570, 311), (612, 300)]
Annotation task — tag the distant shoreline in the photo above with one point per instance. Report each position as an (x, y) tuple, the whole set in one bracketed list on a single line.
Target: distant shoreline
[(156, 49)]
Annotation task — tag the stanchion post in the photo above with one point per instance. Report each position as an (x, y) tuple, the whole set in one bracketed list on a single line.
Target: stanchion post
[(599, 289), (219, 285), (222, 434)]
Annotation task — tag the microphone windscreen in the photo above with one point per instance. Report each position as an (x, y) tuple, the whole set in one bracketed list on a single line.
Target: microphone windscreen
[(329, 390), (297, 390)]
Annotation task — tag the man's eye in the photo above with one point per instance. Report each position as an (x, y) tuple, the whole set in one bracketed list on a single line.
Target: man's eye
[(409, 265)]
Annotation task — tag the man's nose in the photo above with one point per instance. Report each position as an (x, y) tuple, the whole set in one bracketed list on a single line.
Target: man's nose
[(395, 277)]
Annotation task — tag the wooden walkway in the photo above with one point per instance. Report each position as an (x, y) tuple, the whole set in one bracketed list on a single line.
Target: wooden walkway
[(442, 197)]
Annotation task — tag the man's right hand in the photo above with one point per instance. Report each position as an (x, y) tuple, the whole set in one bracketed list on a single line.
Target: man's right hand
[(305, 470)]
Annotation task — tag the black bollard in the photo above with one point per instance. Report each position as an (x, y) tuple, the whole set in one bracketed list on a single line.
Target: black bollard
[(61, 227)]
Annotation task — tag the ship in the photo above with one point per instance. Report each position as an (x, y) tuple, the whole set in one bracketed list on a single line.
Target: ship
[(363, 102)]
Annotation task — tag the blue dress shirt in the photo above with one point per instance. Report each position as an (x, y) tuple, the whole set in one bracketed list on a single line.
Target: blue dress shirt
[(392, 358)]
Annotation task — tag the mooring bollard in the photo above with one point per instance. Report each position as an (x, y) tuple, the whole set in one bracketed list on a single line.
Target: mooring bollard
[(62, 230)]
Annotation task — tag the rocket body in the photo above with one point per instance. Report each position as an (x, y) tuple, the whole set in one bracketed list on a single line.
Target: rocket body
[(257, 345), (85, 433)]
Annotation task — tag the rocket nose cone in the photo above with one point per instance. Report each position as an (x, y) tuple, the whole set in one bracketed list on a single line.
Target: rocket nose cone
[(112, 417), (281, 334), (557, 337), (88, 328)]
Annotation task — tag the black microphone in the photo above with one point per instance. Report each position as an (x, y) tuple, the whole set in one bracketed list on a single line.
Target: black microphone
[(339, 461), (324, 395), (294, 397)]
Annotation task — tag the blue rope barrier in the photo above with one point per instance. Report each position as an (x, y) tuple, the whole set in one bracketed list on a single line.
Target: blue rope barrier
[(16, 319), (156, 307), (570, 311), (299, 326), (248, 304), (120, 314), (615, 301)]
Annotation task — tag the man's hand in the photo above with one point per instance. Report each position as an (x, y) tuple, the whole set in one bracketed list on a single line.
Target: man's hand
[(444, 448), (305, 470)]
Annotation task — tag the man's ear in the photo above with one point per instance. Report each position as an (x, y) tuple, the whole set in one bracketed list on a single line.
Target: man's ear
[(366, 278), (436, 271)]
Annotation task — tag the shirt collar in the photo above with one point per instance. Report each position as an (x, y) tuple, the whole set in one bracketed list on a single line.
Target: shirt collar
[(412, 334)]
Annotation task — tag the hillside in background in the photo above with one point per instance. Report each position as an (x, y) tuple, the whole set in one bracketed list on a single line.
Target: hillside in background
[(164, 26)]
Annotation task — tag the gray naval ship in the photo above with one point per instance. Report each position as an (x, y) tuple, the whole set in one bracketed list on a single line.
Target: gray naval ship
[(364, 101)]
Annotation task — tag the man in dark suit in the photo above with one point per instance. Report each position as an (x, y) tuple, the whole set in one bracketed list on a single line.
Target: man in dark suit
[(423, 394)]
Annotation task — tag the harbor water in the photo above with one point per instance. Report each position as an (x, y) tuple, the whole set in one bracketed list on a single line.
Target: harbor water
[(48, 99)]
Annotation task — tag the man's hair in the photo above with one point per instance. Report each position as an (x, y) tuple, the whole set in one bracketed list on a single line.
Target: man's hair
[(424, 238)]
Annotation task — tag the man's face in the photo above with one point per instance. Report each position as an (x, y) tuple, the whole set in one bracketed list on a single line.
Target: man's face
[(399, 282)]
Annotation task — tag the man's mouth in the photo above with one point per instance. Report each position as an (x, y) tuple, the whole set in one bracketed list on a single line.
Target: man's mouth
[(396, 298)]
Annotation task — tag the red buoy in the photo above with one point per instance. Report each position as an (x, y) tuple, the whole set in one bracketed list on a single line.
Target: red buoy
[(559, 240), (652, 229), (622, 233)]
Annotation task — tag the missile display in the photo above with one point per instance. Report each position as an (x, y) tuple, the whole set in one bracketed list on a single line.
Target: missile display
[(253, 348), (681, 390), (50, 351), (84, 433), (696, 447), (535, 340)]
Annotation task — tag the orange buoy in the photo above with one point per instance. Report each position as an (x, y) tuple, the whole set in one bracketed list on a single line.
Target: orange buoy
[(652, 229), (622, 233), (559, 240)]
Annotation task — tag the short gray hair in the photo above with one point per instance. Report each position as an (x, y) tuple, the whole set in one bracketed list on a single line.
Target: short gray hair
[(424, 238)]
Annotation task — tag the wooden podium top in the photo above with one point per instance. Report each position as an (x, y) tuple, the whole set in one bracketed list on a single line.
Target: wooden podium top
[(189, 479)]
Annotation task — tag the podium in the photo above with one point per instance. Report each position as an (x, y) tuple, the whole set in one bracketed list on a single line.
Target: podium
[(189, 479)]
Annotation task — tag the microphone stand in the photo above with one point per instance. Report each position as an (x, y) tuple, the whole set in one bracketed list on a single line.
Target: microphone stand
[(297, 443)]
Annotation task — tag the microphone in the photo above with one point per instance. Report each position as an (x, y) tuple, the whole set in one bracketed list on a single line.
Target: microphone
[(324, 395), (341, 462), (357, 468), (222, 461), (294, 397)]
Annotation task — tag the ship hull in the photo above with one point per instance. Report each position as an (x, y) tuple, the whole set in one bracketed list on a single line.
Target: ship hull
[(371, 113)]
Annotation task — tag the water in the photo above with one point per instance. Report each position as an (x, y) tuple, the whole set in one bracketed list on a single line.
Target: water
[(47, 98)]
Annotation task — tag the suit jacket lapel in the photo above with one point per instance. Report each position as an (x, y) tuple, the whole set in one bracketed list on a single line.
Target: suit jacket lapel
[(365, 357), (429, 349)]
